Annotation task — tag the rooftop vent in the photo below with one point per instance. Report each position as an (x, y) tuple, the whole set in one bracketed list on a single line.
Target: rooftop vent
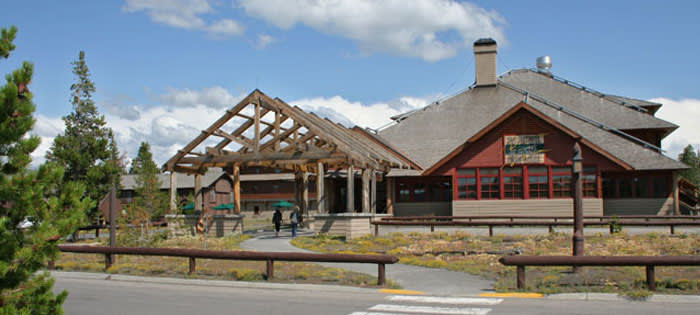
[(544, 64)]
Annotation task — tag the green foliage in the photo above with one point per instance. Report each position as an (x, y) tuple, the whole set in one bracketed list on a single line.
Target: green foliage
[(150, 201), (7, 36), (53, 207), (615, 226), (690, 157), (87, 149)]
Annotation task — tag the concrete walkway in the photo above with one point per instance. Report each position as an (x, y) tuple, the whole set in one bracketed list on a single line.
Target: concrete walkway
[(428, 280)]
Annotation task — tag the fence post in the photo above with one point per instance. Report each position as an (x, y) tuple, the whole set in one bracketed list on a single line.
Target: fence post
[(270, 269), (651, 279), (376, 230), (551, 229), (97, 232), (108, 261), (673, 231), (381, 277), (193, 265), (490, 230), (612, 230), (432, 228), (521, 276)]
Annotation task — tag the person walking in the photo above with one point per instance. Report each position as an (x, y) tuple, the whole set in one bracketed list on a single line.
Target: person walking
[(277, 220), (295, 218)]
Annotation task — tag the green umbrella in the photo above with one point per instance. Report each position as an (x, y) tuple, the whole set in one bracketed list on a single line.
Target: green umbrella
[(225, 206), (283, 204), (189, 206)]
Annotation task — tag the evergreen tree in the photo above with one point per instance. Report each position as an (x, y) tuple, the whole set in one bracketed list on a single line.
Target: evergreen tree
[(690, 157), (87, 148), (36, 207), (150, 202)]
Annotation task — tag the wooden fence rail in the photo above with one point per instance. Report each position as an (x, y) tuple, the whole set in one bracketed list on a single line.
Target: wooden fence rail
[(490, 224), (579, 261), (534, 217), (268, 257)]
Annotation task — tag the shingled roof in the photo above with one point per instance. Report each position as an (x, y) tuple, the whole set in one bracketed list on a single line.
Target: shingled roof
[(432, 133)]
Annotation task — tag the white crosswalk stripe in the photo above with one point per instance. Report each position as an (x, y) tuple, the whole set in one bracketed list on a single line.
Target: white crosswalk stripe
[(458, 305), (430, 309), (444, 300)]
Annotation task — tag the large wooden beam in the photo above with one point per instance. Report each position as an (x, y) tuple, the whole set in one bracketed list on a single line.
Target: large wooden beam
[(277, 127), (237, 188), (238, 139), (173, 192), (256, 142), (365, 191), (239, 131), (320, 189), (389, 194), (350, 190), (232, 157)]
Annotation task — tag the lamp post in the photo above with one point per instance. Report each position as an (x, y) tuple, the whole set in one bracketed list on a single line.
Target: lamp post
[(578, 201)]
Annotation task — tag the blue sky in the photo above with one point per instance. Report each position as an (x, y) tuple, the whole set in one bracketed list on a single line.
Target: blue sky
[(165, 69)]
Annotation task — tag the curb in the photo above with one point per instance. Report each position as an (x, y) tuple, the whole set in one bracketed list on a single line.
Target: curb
[(656, 298)]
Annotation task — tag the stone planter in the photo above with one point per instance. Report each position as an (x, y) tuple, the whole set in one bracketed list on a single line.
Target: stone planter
[(217, 225), (350, 225)]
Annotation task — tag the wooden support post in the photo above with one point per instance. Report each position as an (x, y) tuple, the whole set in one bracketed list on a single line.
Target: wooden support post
[(297, 188), (256, 144), (521, 277), (193, 265), (350, 194), (365, 191), (320, 189), (676, 201), (198, 192), (277, 131), (270, 269), (651, 278), (173, 192), (389, 195), (381, 277), (237, 189), (373, 192), (305, 193)]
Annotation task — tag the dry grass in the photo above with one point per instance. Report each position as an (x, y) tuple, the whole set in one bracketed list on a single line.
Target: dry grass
[(479, 255), (296, 272)]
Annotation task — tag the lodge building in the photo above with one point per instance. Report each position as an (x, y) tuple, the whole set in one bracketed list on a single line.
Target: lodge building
[(503, 146)]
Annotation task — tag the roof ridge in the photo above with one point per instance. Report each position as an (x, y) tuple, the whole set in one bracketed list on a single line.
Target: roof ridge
[(609, 97), (578, 115)]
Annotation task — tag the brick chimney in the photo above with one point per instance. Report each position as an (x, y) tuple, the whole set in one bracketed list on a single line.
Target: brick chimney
[(485, 50)]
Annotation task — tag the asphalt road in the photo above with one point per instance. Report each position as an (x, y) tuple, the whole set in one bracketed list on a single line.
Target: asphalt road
[(93, 294)]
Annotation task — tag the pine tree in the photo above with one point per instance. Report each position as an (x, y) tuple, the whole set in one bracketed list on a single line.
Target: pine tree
[(149, 199), (52, 208), (690, 157), (87, 148)]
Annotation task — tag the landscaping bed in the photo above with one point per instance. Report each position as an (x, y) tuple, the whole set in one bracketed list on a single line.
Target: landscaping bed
[(285, 272), (478, 255)]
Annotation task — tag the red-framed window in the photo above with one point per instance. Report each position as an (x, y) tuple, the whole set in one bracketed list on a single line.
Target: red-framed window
[(513, 182), (423, 189), (466, 184), (561, 181), (538, 181), (489, 183), (590, 182)]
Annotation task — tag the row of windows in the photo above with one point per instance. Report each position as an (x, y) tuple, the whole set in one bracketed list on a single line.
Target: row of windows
[(636, 187), (522, 182), (423, 192)]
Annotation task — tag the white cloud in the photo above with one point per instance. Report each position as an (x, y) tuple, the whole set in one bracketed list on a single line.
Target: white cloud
[(685, 113), (215, 97), (429, 29), (350, 113), (264, 40), (185, 14)]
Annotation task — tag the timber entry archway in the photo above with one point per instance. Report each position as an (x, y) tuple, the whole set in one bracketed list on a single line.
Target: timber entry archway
[(265, 132)]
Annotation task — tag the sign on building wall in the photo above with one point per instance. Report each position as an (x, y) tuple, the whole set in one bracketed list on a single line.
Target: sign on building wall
[(524, 149)]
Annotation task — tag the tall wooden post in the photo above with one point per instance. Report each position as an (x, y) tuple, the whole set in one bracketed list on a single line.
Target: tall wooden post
[(112, 225), (237, 189), (305, 193), (198, 192), (173, 192), (365, 190), (676, 202), (578, 201), (297, 188), (320, 189), (350, 195), (373, 192), (389, 194)]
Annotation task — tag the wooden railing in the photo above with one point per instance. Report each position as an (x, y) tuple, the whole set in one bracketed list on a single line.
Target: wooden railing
[(550, 222), (579, 261), (268, 257)]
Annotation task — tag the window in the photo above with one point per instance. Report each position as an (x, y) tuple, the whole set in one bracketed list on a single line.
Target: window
[(488, 179), (419, 192), (212, 196), (626, 187), (440, 191), (641, 187), (609, 188), (590, 182), (561, 182), (660, 186), (512, 182), (538, 181), (466, 184), (404, 192)]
